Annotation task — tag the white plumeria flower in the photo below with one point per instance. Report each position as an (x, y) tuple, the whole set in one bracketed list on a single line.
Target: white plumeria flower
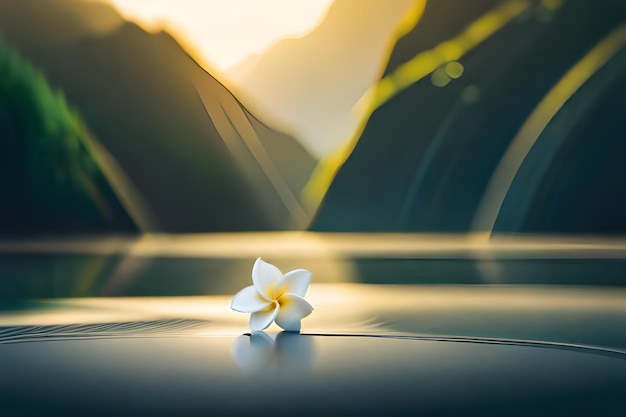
[(274, 296)]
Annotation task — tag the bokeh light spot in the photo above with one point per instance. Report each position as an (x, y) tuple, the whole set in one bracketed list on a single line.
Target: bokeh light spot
[(440, 78), (454, 69), (470, 94)]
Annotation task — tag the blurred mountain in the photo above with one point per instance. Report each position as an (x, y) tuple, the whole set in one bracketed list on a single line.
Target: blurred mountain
[(494, 116), (199, 160), (311, 84), (50, 181)]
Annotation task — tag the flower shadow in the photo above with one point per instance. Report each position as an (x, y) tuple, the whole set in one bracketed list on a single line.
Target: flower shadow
[(287, 352)]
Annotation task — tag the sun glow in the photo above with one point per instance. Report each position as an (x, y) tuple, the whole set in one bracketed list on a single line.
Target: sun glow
[(225, 32)]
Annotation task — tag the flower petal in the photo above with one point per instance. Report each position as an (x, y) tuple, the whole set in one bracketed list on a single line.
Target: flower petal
[(265, 276), (248, 300), (293, 308), (261, 320), (294, 282)]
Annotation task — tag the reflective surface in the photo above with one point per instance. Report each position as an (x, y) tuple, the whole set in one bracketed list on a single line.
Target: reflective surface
[(593, 317), (365, 376), (365, 350), (211, 264)]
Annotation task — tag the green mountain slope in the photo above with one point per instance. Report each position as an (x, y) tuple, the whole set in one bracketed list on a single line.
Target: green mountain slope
[(200, 161), (49, 179)]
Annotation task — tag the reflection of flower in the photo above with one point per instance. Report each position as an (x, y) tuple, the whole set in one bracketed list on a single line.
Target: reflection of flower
[(274, 296), (289, 352)]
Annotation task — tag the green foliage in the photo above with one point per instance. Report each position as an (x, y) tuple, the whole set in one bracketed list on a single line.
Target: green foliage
[(49, 179)]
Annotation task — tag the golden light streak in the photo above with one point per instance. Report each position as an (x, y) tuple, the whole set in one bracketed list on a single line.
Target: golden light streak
[(246, 138), (426, 62), (128, 194), (422, 65), (505, 172), (298, 245)]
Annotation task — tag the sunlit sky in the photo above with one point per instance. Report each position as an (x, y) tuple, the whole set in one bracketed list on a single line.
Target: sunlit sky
[(225, 32)]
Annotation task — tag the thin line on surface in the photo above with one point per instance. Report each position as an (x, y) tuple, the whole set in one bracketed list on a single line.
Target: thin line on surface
[(51, 336), (598, 350)]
